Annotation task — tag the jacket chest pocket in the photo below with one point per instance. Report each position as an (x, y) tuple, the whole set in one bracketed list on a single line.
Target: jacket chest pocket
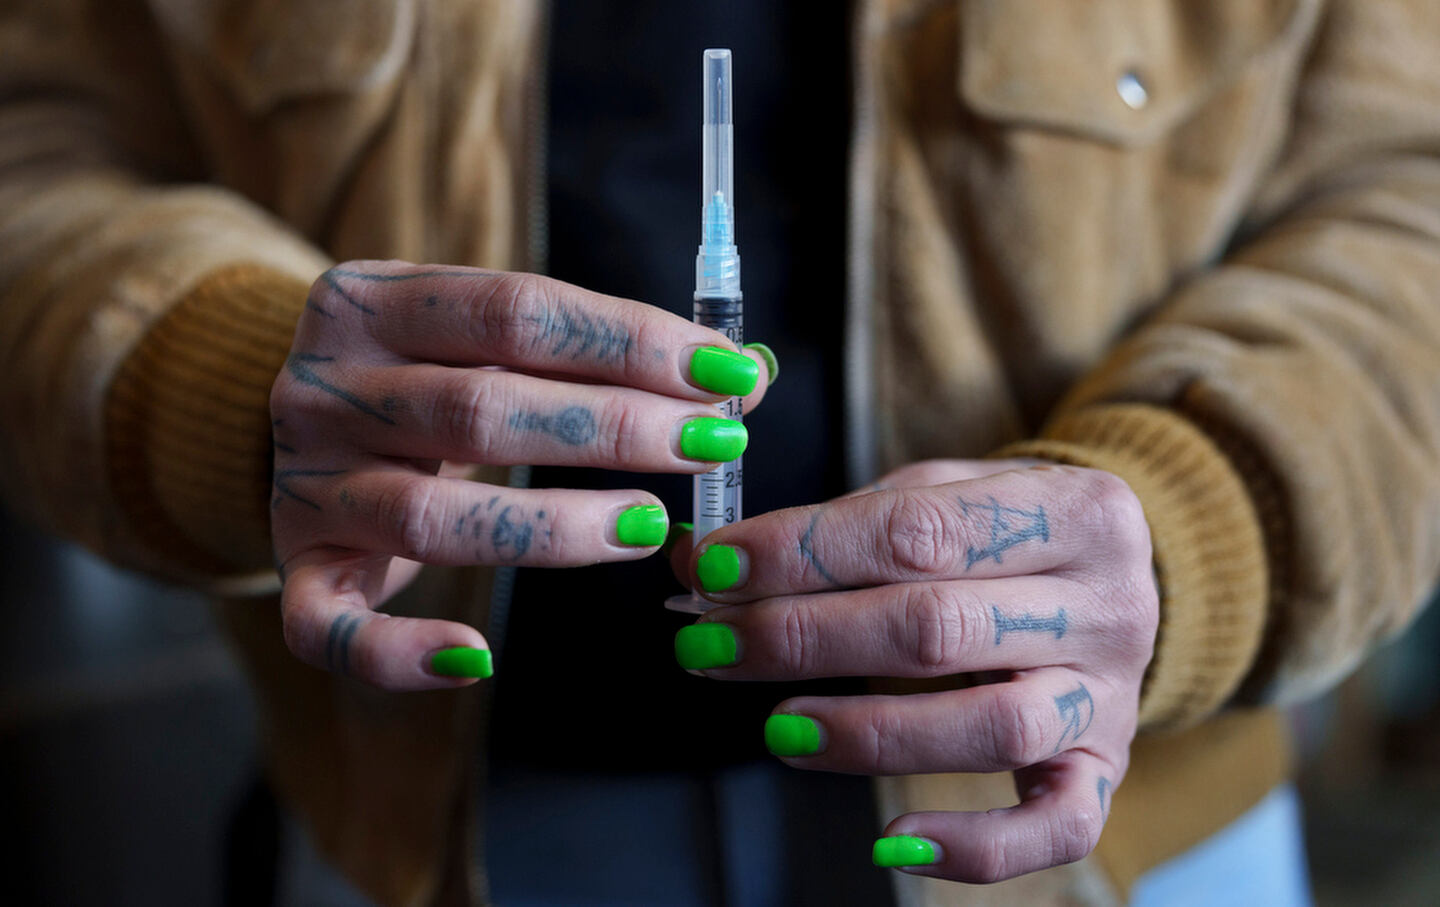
[(1124, 72)]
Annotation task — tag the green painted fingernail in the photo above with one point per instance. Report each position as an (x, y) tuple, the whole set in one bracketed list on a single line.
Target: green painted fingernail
[(676, 530), (713, 440), (772, 365), (701, 646), (903, 850), (642, 526), (724, 371), (462, 661), (792, 735), (718, 568)]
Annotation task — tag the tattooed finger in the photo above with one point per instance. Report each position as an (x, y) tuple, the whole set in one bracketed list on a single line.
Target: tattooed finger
[(922, 630), (502, 418), (1059, 820), (396, 511), (995, 727), (328, 623), (1009, 524), (524, 321)]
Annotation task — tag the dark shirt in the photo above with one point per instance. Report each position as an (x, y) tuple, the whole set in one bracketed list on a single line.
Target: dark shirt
[(654, 784), (624, 218)]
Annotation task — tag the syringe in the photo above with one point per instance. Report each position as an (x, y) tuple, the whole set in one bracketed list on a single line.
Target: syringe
[(718, 302)]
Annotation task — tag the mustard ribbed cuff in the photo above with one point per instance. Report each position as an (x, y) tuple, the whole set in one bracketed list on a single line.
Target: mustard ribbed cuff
[(188, 421), (1209, 554)]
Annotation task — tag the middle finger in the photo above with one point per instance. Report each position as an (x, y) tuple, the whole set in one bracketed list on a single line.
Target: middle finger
[(499, 417), (901, 630)]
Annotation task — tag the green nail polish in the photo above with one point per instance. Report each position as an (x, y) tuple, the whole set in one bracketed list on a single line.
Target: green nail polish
[(792, 735), (772, 365), (718, 568), (713, 440), (676, 530), (642, 526), (903, 850), (462, 661), (701, 646), (724, 371)]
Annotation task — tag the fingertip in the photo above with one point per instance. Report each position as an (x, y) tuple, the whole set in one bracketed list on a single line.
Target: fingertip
[(766, 357), (896, 851), (466, 662)]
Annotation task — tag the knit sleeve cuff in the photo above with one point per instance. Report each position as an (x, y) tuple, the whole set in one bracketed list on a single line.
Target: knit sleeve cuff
[(1209, 555), (188, 426)]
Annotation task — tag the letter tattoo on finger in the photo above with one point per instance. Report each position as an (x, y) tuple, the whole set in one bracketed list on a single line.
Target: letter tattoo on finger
[(1077, 708), (1028, 623), (1009, 526)]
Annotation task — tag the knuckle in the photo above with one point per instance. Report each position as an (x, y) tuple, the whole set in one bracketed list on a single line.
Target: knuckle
[(882, 741), (628, 438), (799, 639), (918, 534), (1019, 733), (506, 309), (407, 514), (464, 410), (991, 864), (1073, 835), (933, 630), (1112, 511)]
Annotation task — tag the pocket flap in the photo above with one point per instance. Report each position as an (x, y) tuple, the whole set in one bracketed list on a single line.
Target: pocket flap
[(1124, 72)]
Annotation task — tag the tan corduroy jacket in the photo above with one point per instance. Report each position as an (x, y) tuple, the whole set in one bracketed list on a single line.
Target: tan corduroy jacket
[(1195, 244)]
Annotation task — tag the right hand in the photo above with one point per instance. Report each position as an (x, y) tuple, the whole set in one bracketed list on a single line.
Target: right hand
[(399, 378)]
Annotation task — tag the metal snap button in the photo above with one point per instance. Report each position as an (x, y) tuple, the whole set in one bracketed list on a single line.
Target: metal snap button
[(1132, 90)]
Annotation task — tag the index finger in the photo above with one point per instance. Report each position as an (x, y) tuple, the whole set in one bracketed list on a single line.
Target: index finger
[(1035, 520), (474, 317)]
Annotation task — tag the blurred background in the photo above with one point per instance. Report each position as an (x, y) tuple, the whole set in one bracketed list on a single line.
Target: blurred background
[(129, 767)]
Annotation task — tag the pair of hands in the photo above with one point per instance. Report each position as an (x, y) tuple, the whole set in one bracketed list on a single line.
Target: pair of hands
[(1037, 575)]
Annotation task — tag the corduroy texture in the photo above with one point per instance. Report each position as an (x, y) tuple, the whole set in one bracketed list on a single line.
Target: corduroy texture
[(187, 420), (1236, 758), (1209, 556)]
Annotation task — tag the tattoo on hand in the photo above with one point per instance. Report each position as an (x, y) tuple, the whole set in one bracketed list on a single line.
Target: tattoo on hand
[(302, 368), (513, 534), (283, 490), (577, 334), (1078, 710), (574, 425), (337, 645), (1028, 623), (1009, 526), (807, 550), (1102, 786)]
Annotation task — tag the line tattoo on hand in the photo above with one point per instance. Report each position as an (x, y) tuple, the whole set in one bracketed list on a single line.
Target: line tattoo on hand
[(1102, 787), (302, 368), (574, 425), (283, 490), (807, 550), (1078, 710), (337, 644), (1009, 526), (1028, 623), (511, 534), (577, 334)]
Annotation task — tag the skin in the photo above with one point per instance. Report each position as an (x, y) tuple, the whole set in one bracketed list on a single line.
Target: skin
[(1038, 576), (399, 378)]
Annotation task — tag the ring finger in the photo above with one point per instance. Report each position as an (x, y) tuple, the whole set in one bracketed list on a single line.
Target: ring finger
[(995, 727), (390, 509)]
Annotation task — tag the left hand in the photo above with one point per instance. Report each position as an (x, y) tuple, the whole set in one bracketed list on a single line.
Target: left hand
[(949, 567)]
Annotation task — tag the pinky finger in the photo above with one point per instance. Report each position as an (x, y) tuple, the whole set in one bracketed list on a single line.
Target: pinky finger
[(1063, 806), (329, 623)]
